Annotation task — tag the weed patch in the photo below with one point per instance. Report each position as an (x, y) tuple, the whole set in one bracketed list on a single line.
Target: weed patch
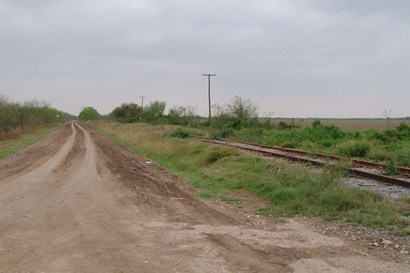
[(181, 133), (354, 149), (218, 153), (291, 190)]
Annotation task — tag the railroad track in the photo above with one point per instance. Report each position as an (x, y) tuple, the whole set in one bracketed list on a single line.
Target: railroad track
[(361, 168)]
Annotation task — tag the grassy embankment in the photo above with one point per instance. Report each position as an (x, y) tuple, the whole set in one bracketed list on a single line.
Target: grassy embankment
[(218, 172), (11, 146), (389, 146)]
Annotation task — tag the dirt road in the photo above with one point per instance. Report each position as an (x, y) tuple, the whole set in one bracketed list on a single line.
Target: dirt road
[(76, 202)]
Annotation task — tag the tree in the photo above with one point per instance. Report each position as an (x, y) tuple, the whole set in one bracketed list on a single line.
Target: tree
[(89, 113), (181, 115), (154, 112), (8, 115), (243, 111), (16, 115), (127, 113)]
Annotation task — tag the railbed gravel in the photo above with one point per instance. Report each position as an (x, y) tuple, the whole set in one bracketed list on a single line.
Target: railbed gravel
[(388, 190)]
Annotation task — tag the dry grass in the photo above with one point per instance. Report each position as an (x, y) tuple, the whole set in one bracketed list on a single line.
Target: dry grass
[(150, 137), (349, 124), (23, 139), (217, 172)]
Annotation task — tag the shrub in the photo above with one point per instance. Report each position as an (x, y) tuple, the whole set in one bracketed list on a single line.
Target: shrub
[(237, 114), (380, 154), (216, 154), (242, 110), (334, 132), (316, 123), (182, 115), (391, 168), (403, 157), (181, 133), (354, 149), (283, 125), (404, 130), (226, 132), (401, 132)]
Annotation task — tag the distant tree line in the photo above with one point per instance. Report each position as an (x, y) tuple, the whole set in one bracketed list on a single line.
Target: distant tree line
[(89, 113), (237, 113), (15, 116)]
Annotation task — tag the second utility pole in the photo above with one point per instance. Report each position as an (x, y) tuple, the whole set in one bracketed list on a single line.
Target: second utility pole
[(142, 102), (209, 91)]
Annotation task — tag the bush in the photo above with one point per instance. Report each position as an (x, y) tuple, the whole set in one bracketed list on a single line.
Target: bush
[(216, 154), (391, 168), (401, 132), (404, 131), (316, 123), (379, 154), (403, 157), (283, 125), (182, 116), (237, 114), (181, 133), (354, 149), (222, 134), (243, 110)]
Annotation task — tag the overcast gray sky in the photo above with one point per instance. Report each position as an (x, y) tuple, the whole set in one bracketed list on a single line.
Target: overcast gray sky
[(294, 58)]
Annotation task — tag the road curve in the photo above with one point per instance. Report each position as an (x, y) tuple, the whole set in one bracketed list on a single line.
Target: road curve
[(76, 202)]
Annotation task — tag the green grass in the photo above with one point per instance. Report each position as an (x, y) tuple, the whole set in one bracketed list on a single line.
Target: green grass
[(11, 146), (291, 190), (371, 144)]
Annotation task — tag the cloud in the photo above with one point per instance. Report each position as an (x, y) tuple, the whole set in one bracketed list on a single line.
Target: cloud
[(106, 52)]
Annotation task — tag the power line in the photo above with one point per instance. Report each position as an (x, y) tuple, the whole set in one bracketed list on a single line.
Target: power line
[(291, 33), (331, 28), (325, 30), (339, 40), (331, 43)]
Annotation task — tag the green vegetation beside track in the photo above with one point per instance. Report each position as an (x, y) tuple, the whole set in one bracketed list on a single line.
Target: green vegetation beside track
[(389, 146), (218, 172)]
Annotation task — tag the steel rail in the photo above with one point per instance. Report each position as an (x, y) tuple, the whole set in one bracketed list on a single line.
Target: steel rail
[(356, 162), (303, 157)]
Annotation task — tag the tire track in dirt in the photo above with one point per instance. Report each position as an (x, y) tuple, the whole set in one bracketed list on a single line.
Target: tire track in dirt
[(32, 156), (91, 206)]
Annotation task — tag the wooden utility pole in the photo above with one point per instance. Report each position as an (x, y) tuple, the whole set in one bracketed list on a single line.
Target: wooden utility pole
[(142, 102), (209, 91)]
